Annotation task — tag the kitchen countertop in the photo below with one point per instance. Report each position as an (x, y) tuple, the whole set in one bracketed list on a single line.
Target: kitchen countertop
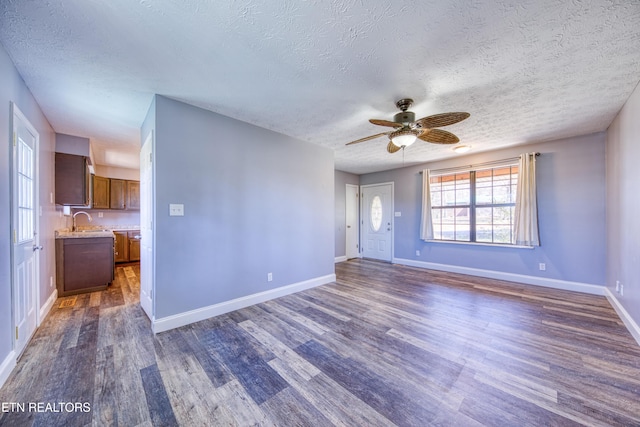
[(93, 231), (108, 227), (64, 234)]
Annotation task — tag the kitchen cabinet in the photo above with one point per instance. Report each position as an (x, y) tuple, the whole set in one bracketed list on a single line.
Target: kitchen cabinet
[(134, 245), (133, 195), (84, 264), (121, 246), (101, 186), (127, 246), (117, 194), (72, 180)]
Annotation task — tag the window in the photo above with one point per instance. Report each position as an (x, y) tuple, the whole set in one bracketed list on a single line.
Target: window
[(25, 177), (475, 206)]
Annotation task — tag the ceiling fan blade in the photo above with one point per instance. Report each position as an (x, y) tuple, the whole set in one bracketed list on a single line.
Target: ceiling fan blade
[(439, 136), (366, 138), (385, 123), (392, 148), (444, 119)]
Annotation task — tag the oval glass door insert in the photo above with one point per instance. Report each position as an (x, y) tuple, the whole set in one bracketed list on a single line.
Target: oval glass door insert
[(376, 213)]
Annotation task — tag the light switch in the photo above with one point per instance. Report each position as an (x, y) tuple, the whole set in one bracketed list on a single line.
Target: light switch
[(176, 209), (397, 213)]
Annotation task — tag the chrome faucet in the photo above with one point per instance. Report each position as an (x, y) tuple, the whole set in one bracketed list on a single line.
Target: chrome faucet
[(73, 228)]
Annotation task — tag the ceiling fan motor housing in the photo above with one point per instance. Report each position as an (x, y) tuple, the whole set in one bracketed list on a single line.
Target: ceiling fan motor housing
[(404, 117)]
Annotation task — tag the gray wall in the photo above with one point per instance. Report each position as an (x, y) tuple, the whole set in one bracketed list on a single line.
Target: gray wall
[(341, 180), (255, 202), (571, 210), (623, 201), (14, 89), (70, 144)]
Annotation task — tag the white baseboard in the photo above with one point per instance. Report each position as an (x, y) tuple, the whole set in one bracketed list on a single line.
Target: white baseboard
[(182, 319), (46, 308), (511, 277), (7, 366), (628, 321), (340, 259)]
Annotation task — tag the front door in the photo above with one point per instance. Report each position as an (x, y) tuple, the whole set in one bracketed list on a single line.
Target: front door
[(24, 230), (377, 224)]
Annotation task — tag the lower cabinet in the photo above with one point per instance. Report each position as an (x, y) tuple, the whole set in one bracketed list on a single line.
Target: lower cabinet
[(127, 246), (121, 246), (134, 245), (83, 264)]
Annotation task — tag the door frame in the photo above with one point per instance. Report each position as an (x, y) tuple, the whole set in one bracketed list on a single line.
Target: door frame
[(349, 187), (147, 197), (16, 112), (393, 222)]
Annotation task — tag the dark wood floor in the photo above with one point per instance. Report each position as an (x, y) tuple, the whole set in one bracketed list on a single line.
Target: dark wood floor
[(384, 345)]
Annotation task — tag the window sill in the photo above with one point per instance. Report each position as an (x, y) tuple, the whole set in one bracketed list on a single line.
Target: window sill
[(493, 245)]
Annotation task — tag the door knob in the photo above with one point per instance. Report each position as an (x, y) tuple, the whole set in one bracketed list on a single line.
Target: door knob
[(37, 248), (348, 226)]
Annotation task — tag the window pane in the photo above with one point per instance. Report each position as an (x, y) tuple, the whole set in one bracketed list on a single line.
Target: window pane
[(483, 195), (501, 234), (502, 215), (483, 216), (448, 198), (448, 223), (484, 234), (437, 226), (501, 194), (436, 198)]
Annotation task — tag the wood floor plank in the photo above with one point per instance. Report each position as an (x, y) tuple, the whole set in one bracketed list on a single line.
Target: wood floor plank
[(251, 370), (157, 400), (379, 393), (337, 404)]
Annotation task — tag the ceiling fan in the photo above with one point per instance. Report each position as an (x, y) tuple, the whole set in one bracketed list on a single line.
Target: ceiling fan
[(407, 129)]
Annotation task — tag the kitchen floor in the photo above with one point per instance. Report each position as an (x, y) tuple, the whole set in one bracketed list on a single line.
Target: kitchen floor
[(384, 345)]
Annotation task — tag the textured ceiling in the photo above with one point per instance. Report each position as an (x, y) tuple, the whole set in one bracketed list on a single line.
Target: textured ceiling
[(526, 70)]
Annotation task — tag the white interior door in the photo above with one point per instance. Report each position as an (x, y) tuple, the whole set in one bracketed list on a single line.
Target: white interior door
[(146, 227), (377, 221), (351, 219), (24, 226)]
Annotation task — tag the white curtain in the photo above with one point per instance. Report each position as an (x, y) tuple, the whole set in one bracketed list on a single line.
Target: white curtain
[(426, 225), (526, 221)]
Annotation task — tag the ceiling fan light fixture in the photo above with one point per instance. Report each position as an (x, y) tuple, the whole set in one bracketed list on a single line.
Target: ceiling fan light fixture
[(404, 138), (462, 149)]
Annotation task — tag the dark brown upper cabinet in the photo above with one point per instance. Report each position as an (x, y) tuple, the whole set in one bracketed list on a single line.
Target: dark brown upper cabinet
[(72, 180), (133, 195), (101, 188), (117, 194)]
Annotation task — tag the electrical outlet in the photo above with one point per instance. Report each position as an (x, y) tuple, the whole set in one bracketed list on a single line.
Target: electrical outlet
[(100, 214), (176, 209), (51, 281), (269, 277), (542, 266), (417, 253), (621, 290)]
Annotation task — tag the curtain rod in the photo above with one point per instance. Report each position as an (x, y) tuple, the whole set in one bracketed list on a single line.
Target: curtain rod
[(465, 167)]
